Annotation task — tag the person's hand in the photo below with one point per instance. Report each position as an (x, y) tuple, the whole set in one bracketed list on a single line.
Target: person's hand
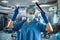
[(16, 11), (11, 22)]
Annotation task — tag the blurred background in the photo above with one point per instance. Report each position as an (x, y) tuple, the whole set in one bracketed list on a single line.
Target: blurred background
[(51, 7)]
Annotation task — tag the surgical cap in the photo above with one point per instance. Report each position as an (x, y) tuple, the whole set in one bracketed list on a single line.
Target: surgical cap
[(30, 8)]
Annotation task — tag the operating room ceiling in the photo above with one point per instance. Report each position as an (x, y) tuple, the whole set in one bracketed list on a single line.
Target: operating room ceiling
[(25, 3)]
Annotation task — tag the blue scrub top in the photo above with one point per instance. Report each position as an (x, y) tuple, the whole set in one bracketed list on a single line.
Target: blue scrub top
[(29, 31)]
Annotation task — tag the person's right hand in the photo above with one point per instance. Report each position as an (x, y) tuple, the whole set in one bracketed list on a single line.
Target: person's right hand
[(11, 22)]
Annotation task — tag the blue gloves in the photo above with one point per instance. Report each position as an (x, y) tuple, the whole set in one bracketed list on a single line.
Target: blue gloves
[(15, 14), (44, 17)]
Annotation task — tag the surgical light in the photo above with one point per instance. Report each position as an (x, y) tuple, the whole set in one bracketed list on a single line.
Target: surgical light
[(44, 5), (34, 1), (4, 1), (5, 7)]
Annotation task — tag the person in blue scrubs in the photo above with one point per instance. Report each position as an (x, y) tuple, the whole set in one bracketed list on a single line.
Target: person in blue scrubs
[(30, 29)]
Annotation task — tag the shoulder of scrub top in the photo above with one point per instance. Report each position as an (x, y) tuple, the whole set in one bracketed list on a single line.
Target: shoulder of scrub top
[(42, 27), (18, 25)]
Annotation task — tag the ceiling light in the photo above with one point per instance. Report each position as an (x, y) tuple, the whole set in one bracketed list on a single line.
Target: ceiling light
[(34, 1), (4, 1), (44, 5), (5, 7)]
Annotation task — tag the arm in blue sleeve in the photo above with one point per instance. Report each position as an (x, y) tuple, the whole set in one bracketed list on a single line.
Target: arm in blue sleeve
[(18, 26), (42, 27), (44, 17), (15, 14)]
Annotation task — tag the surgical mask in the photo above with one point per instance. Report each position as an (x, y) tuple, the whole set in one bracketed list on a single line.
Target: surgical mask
[(31, 17)]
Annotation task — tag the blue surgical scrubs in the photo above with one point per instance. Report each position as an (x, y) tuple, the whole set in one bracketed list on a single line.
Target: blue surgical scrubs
[(29, 31)]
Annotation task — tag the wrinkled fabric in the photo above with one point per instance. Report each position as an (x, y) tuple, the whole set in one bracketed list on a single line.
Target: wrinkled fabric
[(29, 31)]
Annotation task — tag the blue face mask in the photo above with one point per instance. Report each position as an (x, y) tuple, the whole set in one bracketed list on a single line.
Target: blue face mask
[(31, 17)]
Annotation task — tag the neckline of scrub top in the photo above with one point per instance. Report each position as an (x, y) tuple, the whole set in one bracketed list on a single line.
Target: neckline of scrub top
[(32, 21)]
